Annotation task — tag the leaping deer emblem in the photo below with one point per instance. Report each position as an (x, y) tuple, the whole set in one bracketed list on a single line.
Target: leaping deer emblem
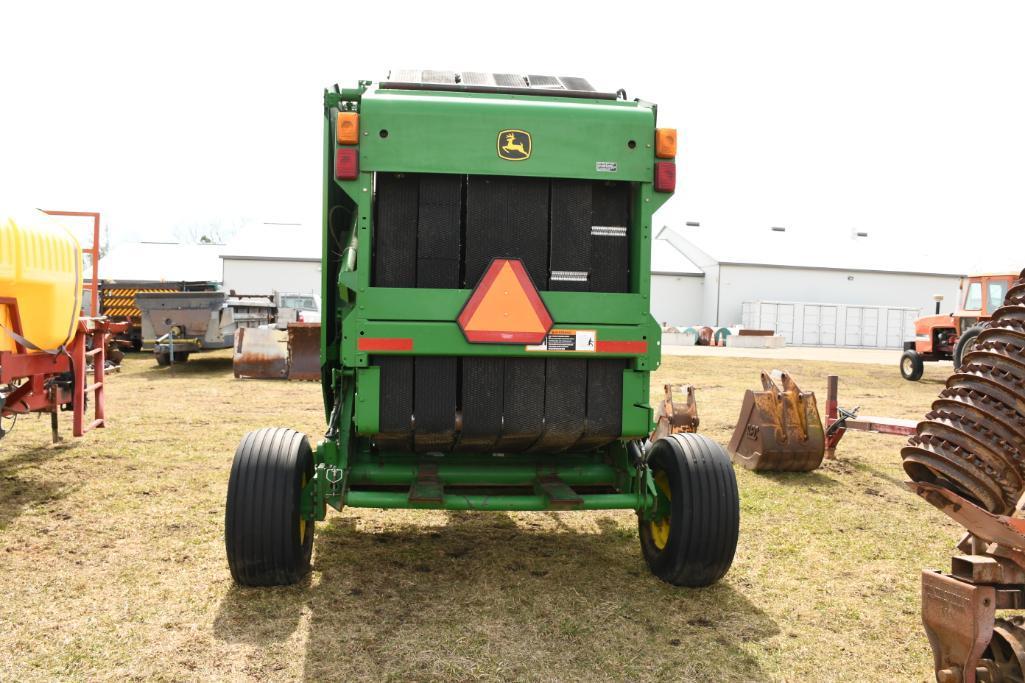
[(514, 148)]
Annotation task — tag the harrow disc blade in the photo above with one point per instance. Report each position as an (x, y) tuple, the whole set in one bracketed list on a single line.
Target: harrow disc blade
[(1004, 659)]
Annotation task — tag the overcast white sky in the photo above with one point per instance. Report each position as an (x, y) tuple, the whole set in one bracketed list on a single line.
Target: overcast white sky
[(899, 118)]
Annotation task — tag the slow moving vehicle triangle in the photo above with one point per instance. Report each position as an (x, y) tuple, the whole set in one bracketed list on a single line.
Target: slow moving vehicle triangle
[(505, 307)]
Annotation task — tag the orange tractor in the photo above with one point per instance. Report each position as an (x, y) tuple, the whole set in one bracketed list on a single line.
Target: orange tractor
[(949, 337)]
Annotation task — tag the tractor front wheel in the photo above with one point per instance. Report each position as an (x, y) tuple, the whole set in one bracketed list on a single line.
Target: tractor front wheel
[(268, 541), (692, 540), (912, 367)]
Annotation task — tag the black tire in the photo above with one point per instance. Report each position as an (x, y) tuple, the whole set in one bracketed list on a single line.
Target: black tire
[(704, 518), (164, 359), (912, 367), (965, 344), (266, 541)]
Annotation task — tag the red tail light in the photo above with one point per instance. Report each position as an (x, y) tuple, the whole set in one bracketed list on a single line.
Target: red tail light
[(665, 176), (347, 163)]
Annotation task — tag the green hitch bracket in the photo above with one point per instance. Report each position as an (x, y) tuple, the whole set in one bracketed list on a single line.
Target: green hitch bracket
[(656, 504)]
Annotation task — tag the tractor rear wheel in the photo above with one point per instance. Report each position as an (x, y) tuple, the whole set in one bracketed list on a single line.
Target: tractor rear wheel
[(912, 367), (268, 541), (965, 344), (694, 541)]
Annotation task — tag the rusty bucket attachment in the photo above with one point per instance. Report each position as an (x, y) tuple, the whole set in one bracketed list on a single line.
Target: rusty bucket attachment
[(779, 430), (260, 353), (304, 351), (677, 413), (269, 353)]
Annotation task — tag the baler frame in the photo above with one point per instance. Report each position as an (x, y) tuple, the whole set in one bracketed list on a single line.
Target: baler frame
[(420, 321), (682, 485)]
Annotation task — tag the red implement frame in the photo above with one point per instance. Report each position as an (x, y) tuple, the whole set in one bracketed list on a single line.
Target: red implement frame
[(958, 609), (838, 420), (94, 255), (41, 389)]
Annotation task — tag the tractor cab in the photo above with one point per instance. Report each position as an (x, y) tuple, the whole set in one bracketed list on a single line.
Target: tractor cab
[(981, 295), (947, 337)]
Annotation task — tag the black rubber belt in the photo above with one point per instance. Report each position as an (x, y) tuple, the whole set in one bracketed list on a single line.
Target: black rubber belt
[(604, 421), (610, 254), (505, 217), (437, 266), (570, 235), (395, 227), (523, 410), (483, 379), (395, 205), (565, 404)]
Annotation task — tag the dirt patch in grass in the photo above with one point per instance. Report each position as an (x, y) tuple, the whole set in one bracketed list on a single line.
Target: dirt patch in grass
[(112, 562)]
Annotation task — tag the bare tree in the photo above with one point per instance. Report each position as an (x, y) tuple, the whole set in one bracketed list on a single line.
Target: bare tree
[(211, 231)]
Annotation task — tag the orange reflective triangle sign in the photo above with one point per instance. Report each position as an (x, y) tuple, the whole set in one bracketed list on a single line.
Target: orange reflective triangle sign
[(505, 307)]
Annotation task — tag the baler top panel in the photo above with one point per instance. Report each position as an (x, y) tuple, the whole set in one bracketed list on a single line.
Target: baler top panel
[(434, 131), (479, 82)]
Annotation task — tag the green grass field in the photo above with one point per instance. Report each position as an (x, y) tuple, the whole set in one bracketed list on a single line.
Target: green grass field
[(112, 562)]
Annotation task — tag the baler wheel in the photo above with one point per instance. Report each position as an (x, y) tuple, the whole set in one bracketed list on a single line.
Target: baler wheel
[(912, 367), (267, 541), (694, 544)]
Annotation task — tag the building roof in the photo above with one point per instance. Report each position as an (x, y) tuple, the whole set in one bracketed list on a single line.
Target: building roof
[(666, 259), (805, 248), (174, 261), (161, 262)]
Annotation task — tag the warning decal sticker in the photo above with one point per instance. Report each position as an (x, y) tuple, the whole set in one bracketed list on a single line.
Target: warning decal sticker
[(584, 341)]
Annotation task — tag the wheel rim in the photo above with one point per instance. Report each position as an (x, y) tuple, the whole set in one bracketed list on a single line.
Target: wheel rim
[(907, 365), (660, 527), (302, 520), (1005, 656)]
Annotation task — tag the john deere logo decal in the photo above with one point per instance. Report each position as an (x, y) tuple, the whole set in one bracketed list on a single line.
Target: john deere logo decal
[(514, 145)]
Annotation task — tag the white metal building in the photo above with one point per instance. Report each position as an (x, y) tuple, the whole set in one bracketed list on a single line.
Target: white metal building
[(812, 288), (247, 274), (677, 287)]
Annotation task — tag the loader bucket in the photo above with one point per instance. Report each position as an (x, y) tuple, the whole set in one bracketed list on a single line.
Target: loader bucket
[(260, 353), (677, 413), (779, 430), (304, 351)]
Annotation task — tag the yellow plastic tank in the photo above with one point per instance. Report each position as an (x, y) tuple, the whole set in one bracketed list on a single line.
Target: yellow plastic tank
[(41, 270)]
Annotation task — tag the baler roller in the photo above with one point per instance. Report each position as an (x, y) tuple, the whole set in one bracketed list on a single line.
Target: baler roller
[(973, 440)]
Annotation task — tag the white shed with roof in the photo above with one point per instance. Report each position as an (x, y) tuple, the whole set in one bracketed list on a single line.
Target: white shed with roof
[(814, 287)]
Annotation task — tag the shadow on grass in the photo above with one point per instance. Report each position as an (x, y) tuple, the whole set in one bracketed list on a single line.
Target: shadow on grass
[(195, 366), (18, 492), (483, 597), (802, 479)]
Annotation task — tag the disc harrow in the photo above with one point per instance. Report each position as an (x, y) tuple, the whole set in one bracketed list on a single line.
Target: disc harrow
[(973, 440)]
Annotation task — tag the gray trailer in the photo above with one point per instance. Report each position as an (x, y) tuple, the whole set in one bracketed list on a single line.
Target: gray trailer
[(177, 324)]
